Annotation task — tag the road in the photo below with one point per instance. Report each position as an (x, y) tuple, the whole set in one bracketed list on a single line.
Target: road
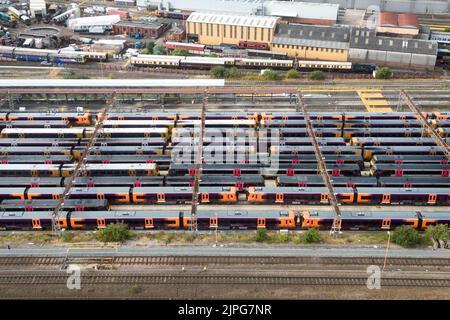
[(251, 250)]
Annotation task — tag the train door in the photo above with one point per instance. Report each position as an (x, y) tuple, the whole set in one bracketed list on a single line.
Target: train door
[(149, 223), (36, 223), (101, 223), (100, 196), (386, 224), (432, 198), (386, 199), (205, 197), (213, 222), (279, 197), (261, 223), (161, 197)]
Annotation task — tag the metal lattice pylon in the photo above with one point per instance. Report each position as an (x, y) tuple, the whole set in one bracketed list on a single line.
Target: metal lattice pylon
[(198, 163), (322, 168), (80, 168)]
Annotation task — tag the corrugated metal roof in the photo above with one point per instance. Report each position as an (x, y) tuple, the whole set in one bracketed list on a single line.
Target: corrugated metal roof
[(408, 20), (315, 36), (233, 20), (311, 43)]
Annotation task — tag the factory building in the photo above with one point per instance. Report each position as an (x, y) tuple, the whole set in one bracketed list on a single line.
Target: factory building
[(312, 42), (142, 28), (216, 29), (37, 8), (298, 12), (93, 24), (404, 24), (367, 47)]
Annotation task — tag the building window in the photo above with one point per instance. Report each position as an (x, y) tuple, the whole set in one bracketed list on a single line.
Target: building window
[(391, 42), (242, 32), (405, 44), (380, 42), (195, 28), (218, 30), (248, 33), (224, 31)]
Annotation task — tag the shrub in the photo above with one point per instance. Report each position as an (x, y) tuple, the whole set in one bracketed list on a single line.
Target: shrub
[(218, 72), (74, 75), (316, 75), (406, 236), (135, 289), (180, 52), (149, 47), (146, 51), (383, 73), (447, 30), (115, 232), (438, 232), (261, 235), (270, 75), (158, 49), (312, 236), (232, 72), (292, 74)]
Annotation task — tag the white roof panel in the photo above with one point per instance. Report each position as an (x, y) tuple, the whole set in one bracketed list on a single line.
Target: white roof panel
[(110, 83), (233, 20), (306, 10)]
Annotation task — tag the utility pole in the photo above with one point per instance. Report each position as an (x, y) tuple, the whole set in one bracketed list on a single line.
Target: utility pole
[(322, 168), (80, 168), (198, 162)]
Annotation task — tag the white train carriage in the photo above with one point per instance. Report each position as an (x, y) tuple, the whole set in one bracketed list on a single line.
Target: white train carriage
[(206, 62), (265, 63), (323, 65), (156, 61)]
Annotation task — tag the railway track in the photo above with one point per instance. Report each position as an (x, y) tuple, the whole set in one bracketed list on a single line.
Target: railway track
[(218, 260), (109, 278)]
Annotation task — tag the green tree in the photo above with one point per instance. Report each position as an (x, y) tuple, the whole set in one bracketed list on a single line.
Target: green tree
[(150, 46), (270, 74), (447, 30), (232, 72), (218, 72), (74, 75), (261, 235), (312, 236), (292, 74), (406, 236), (160, 50), (438, 233), (146, 51), (317, 75), (180, 52), (115, 232), (383, 73)]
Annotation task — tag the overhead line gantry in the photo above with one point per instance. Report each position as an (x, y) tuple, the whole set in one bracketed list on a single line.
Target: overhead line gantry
[(426, 125), (198, 162), (322, 168), (80, 168)]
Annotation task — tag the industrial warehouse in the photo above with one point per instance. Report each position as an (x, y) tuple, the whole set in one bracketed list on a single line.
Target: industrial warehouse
[(224, 150)]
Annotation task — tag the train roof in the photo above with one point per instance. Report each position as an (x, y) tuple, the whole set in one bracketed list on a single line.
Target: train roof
[(250, 60), (363, 214), (230, 214), (43, 130), (10, 181), (298, 189), (28, 215), (135, 130), (75, 190), (164, 214), (149, 123), (25, 167), (436, 215), (115, 166), (7, 191), (393, 190), (45, 203)]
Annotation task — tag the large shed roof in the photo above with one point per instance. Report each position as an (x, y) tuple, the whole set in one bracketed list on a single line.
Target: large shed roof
[(233, 20)]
